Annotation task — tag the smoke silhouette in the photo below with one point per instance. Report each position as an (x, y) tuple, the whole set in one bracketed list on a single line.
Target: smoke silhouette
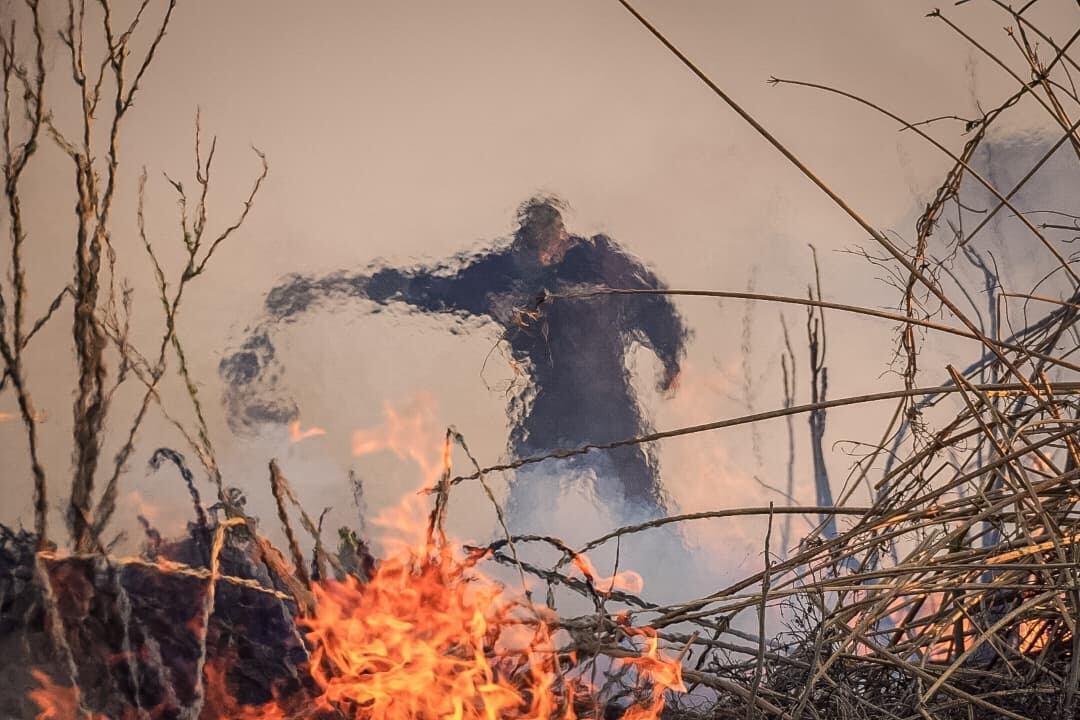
[(572, 351)]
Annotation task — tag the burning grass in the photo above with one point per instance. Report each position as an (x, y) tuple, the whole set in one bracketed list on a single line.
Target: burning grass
[(218, 624), (426, 635), (952, 592)]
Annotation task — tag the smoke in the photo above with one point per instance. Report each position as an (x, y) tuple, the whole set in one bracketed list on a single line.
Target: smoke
[(253, 395), (572, 352)]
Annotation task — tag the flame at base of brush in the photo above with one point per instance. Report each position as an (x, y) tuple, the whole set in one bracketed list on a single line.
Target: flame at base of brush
[(429, 637)]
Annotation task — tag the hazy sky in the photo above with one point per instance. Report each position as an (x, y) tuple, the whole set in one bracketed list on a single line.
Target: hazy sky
[(412, 130)]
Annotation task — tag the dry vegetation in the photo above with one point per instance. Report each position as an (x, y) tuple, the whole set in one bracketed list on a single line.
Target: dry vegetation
[(953, 594)]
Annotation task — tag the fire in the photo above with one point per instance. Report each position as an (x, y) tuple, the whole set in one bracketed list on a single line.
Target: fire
[(660, 671), (627, 581), (56, 702), (411, 433), (297, 434), (417, 642), (221, 704), (429, 635), (1036, 635)]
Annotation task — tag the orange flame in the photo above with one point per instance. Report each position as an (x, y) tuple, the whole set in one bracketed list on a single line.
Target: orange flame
[(627, 580), (56, 702), (411, 433), (430, 636), (415, 643), (296, 434), (1034, 636), (651, 666)]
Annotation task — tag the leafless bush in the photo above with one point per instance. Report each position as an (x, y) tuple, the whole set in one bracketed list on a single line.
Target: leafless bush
[(106, 74)]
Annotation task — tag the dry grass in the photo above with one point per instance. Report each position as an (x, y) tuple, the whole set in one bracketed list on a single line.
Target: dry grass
[(955, 593)]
